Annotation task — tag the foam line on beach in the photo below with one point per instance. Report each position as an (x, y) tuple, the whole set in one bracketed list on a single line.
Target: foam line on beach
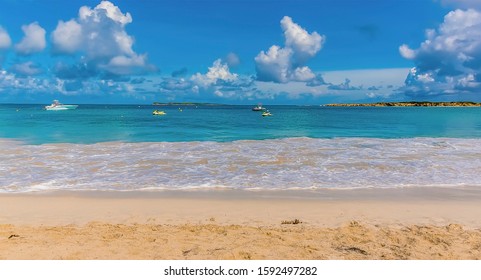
[(280, 164)]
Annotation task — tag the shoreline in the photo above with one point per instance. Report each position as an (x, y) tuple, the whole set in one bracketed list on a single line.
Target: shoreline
[(367, 224), (465, 192), (329, 207)]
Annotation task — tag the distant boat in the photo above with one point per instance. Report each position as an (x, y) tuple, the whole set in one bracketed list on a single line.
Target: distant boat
[(258, 108), (157, 112), (266, 114), (57, 106)]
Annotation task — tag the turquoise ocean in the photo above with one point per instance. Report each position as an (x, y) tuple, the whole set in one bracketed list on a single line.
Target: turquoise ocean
[(126, 148)]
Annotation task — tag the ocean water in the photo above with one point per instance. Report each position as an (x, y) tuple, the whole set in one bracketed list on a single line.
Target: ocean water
[(126, 148)]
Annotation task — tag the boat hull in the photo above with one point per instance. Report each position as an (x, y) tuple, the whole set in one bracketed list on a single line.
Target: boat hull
[(61, 107)]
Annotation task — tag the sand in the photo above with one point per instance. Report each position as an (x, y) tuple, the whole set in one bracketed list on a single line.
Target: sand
[(369, 224)]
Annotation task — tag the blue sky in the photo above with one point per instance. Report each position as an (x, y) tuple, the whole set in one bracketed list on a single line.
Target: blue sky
[(239, 52)]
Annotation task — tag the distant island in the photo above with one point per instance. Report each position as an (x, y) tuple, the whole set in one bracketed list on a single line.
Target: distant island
[(185, 104), (409, 104)]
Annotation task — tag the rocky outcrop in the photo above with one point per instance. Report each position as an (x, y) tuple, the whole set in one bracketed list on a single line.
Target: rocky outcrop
[(409, 104)]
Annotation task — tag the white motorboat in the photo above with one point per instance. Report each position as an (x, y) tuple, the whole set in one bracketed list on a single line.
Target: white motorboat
[(57, 106), (258, 108)]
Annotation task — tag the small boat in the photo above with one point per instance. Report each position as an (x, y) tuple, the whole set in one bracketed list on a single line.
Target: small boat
[(57, 106), (258, 108), (157, 112), (266, 113)]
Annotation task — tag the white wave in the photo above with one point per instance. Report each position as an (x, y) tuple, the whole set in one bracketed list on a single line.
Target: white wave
[(281, 164)]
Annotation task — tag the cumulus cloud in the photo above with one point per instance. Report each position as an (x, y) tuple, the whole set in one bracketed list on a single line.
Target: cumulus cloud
[(217, 78), (33, 41), (99, 35), (406, 52), (5, 40), (217, 73), (274, 65), (304, 45), (302, 74), (448, 58), (104, 9), (419, 84), (285, 64), (217, 83), (67, 37)]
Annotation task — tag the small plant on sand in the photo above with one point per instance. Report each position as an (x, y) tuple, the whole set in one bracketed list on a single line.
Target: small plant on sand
[(291, 222)]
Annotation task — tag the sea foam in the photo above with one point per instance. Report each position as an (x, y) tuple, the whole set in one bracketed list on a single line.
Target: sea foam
[(280, 164)]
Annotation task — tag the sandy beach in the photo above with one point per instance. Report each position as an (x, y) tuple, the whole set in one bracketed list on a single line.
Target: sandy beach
[(417, 223)]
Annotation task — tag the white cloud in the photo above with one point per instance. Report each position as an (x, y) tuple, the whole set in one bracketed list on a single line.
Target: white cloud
[(12, 84), (124, 65), (425, 78), (218, 82), (5, 40), (469, 81), (302, 74), (406, 52), (453, 47), (274, 65), (99, 34), (33, 41), (303, 44), (447, 56), (105, 8), (26, 69), (218, 72), (285, 64), (67, 37)]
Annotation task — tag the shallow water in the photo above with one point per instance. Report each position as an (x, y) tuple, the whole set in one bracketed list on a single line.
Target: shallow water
[(279, 164)]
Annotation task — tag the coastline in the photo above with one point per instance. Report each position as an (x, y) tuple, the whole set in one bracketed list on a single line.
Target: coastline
[(409, 104), (411, 223)]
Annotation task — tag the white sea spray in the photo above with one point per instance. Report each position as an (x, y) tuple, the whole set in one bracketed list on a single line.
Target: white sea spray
[(280, 164)]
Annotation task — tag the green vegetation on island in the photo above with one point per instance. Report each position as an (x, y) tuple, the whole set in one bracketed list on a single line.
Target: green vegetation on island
[(409, 104)]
